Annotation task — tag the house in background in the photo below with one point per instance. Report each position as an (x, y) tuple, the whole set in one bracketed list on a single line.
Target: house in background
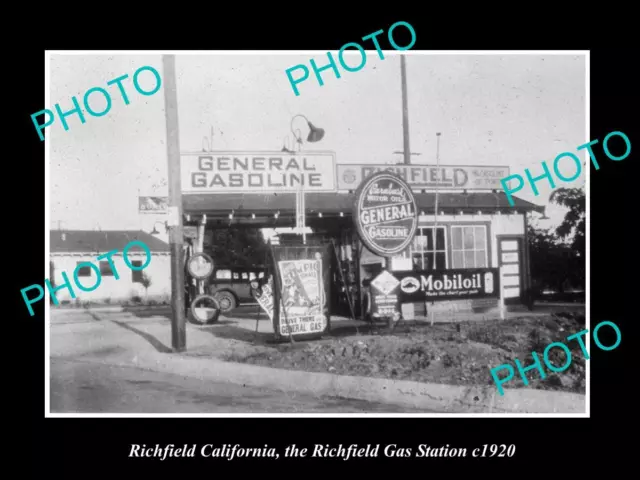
[(68, 248)]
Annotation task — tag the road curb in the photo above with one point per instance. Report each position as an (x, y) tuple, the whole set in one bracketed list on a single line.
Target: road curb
[(438, 397)]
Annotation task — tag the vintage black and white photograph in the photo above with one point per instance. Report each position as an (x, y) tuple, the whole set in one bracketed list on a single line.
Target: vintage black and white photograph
[(379, 233)]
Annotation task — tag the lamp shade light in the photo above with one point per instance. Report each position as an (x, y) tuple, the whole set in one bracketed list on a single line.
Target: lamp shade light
[(315, 133)]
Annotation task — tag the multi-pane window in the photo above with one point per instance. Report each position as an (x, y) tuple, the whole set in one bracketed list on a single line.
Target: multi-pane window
[(427, 252), (469, 246)]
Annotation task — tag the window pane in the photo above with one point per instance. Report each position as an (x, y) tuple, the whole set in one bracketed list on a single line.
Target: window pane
[(456, 238), (84, 271), (417, 262), (457, 260), (224, 274), (136, 275), (480, 259), (468, 238), (428, 261), (441, 260), (440, 239), (105, 269), (481, 239), (469, 259)]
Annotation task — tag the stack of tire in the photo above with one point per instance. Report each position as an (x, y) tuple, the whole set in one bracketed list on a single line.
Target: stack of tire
[(195, 313)]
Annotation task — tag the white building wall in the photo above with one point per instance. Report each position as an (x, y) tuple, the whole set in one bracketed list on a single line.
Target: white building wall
[(158, 270)]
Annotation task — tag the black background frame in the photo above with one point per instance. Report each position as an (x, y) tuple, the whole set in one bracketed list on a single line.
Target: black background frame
[(81, 448)]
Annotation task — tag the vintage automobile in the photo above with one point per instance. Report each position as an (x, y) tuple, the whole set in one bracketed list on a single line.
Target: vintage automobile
[(231, 286)]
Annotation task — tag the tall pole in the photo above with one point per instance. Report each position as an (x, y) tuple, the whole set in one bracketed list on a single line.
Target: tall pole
[(176, 238), (435, 217), (405, 112)]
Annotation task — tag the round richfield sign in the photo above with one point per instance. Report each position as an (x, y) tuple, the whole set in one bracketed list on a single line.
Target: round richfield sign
[(385, 213)]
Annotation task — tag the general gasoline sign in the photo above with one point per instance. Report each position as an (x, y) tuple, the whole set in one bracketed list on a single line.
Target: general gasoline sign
[(385, 214), (257, 172)]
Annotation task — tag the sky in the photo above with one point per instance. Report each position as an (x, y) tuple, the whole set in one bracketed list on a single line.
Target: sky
[(515, 110)]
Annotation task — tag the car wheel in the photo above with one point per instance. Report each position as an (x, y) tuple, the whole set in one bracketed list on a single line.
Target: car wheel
[(204, 310), (227, 301)]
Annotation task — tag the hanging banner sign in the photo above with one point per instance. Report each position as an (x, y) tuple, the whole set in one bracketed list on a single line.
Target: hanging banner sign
[(456, 284), (304, 281), (385, 214), (257, 172), (349, 176)]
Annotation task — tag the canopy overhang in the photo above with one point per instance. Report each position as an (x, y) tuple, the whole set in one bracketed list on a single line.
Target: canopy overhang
[(258, 209)]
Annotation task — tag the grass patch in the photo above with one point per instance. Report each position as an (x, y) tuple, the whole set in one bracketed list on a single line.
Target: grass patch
[(456, 354)]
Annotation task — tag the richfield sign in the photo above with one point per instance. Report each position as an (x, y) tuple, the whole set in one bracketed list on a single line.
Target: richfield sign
[(418, 177), (257, 172), (385, 214)]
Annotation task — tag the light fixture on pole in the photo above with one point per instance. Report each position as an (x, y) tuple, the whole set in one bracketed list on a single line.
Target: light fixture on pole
[(315, 133), (155, 231)]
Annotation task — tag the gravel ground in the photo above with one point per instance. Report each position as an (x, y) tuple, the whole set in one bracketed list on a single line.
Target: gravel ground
[(456, 354)]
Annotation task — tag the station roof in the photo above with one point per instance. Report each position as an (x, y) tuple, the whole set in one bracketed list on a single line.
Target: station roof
[(221, 205), (102, 241)]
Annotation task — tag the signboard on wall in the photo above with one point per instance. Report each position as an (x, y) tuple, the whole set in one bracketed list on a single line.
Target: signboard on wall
[(257, 172), (384, 296), (349, 176), (455, 284), (153, 205), (385, 214)]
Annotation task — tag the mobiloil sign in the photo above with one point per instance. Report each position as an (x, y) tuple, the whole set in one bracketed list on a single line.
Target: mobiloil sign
[(385, 214), (448, 284)]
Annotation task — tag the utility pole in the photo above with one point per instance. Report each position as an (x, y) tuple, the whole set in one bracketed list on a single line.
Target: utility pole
[(176, 237), (405, 112)]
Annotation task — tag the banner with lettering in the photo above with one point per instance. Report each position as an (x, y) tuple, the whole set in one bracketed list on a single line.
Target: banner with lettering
[(304, 290)]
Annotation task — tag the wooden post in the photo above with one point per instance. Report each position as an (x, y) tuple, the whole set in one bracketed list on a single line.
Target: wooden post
[(405, 111), (176, 236)]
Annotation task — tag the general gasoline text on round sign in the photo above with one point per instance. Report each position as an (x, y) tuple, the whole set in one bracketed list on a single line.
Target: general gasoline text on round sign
[(385, 213)]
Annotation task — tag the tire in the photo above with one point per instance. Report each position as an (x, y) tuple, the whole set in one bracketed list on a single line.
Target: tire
[(194, 310), (226, 300)]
